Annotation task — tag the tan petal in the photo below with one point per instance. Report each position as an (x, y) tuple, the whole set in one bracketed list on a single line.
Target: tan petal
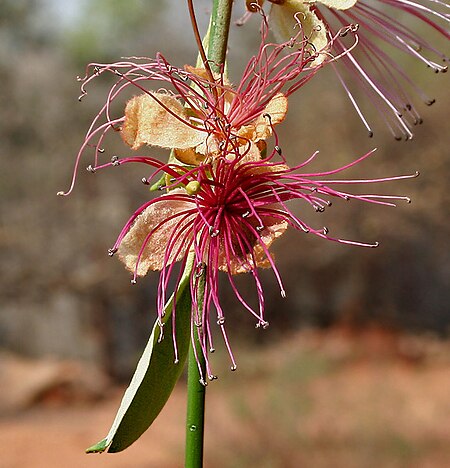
[(148, 122), (276, 109), (248, 153), (338, 4), (284, 25), (189, 156), (154, 253), (223, 85), (260, 129)]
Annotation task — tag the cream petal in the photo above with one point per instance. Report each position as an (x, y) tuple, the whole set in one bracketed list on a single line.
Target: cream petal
[(284, 19), (148, 122), (338, 4), (153, 256)]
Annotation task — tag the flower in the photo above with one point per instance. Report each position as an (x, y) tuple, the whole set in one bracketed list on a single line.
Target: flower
[(226, 212), (372, 66)]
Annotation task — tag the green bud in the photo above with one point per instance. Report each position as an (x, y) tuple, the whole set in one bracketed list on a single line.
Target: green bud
[(193, 187)]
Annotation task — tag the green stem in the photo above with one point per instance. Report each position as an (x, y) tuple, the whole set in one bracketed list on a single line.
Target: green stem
[(218, 34), (195, 420), (195, 409)]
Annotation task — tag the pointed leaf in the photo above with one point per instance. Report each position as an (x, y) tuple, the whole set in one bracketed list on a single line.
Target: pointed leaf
[(155, 376)]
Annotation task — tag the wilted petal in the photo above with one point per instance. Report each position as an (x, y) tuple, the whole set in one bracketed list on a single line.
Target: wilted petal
[(154, 254), (273, 114), (149, 122), (189, 156), (273, 229), (284, 22)]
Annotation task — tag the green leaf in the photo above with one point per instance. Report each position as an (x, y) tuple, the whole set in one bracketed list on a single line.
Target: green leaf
[(155, 376)]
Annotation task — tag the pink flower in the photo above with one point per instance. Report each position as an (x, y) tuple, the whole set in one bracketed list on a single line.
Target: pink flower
[(383, 26), (227, 213)]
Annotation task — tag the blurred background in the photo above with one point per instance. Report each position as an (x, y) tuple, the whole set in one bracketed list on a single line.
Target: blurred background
[(354, 370)]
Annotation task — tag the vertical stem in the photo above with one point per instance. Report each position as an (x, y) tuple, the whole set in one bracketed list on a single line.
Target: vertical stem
[(218, 34), (195, 418)]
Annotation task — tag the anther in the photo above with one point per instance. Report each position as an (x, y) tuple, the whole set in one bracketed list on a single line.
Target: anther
[(133, 281), (259, 228), (408, 200), (370, 134), (233, 367), (283, 293), (278, 150), (430, 102), (101, 150), (212, 377), (145, 181), (325, 230), (200, 269), (212, 350), (213, 232), (111, 252), (221, 321), (115, 161), (262, 324), (90, 169), (203, 382), (60, 193)]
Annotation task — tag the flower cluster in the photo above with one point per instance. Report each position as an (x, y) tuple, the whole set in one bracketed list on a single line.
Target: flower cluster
[(226, 194), (372, 66)]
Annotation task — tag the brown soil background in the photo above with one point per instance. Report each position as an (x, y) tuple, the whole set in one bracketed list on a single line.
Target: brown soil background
[(340, 398)]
